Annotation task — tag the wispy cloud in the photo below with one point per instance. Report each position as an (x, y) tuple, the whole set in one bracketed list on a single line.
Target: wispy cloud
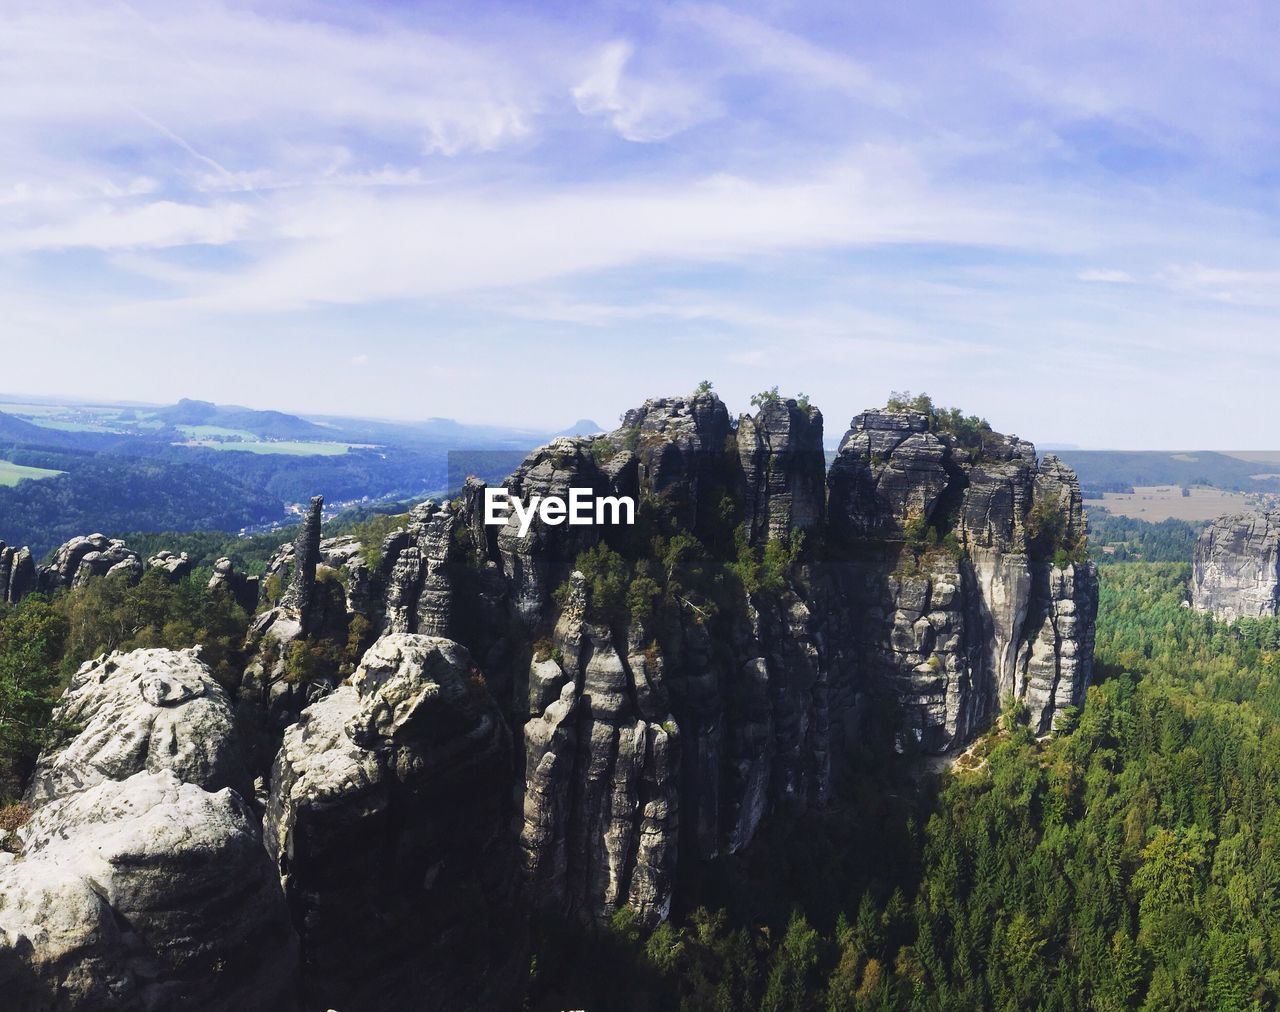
[(640, 110), (972, 195), (1106, 276)]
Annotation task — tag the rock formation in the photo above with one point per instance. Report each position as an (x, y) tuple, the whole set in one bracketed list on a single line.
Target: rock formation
[(242, 587), (949, 576), (81, 559), (784, 469), (175, 566), (306, 557), (1236, 568), (141, 880), (17, 573), (144, 893), (389, 822), (148, 710)]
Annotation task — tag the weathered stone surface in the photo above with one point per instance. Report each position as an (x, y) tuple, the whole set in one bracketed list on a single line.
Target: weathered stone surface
[(148, 710), (1056, 663), (889, 470), (416, 561), (306, 557), (17, 573), (784, 469), (175, 566), (679, 444), (81, 559), (242, 587), (1236, 569), (389, 820), (144, 893), (600, 810)]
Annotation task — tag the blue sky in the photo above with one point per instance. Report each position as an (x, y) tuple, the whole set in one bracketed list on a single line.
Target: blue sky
[(1062, 216)]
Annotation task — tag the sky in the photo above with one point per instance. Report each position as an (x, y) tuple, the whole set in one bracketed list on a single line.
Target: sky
[(1061, 216)]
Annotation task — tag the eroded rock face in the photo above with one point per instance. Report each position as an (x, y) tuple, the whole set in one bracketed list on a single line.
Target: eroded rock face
[(148, 710), (600, 810), (784, 469), (389, 821), (174, 565), (889, 470), (1236, 568), (416, 561), (306, 557), (948, 578), (242, 587), (79, 560), (17, 573), (144, 893)]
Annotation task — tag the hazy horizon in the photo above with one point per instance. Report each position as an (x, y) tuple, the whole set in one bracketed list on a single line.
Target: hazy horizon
[(832, 435), (1059, 218)]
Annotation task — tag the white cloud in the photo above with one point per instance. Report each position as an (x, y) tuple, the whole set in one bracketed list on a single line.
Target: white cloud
[(773, 49), (640, 110), (1105, 276)]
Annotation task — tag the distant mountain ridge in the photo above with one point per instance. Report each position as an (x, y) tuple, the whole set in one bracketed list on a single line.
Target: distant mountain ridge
[(269, 424)]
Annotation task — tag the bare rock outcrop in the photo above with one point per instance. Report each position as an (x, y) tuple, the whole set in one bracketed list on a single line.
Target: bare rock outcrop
[(174, 565), (144, 893), (144, 711), (784, 469), (242, 587), (17, 573), (81, 559), (1236, 567), (389, 821)]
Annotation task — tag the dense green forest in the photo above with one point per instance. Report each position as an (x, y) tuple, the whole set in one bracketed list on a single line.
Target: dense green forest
[(1133, 861), (1113, 538)]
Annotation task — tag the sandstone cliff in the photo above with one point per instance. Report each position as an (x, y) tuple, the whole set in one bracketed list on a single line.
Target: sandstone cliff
[(1236, 567)]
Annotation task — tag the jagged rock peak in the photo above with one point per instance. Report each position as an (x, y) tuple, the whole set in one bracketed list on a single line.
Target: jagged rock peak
[(17, 573), (306, 556), (1236, 567), (784, 469)]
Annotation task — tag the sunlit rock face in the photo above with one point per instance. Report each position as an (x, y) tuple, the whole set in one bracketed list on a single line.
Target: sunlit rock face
[(943, 576), (1236, 568)]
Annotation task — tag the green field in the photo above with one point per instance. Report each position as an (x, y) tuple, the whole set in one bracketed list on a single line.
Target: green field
[(11, 474), (287, 447), (216, 432)]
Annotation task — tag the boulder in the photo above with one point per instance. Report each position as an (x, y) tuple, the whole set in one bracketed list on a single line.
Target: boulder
[(147, 710), (144, 893)]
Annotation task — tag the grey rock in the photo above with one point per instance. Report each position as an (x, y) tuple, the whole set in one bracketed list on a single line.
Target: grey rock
[(889, 470), (306, 557), (389, 820), (1236, 567), (242, 587), (144, 893), (81, 559), (784, 469), (174, 566), (17, 573), (147, 710)]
